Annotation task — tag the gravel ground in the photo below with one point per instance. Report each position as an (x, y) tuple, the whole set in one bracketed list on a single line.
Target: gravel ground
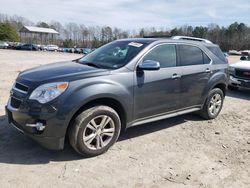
[(185, 151)]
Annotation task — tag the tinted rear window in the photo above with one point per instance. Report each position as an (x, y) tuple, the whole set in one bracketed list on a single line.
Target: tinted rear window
[(217, 51), (190, 55)]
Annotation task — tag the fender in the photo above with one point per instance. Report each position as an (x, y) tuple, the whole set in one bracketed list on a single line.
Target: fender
[(81, 94), (219, 77)]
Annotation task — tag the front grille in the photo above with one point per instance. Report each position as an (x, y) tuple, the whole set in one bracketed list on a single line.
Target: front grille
[(20, 87), (242, 73), (14, 102)]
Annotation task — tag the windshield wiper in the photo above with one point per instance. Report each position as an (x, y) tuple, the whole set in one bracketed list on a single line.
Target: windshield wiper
[(92, 65), (88, 64)]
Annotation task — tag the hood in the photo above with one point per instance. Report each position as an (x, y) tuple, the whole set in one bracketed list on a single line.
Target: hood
[(62, 71), (241, 65)]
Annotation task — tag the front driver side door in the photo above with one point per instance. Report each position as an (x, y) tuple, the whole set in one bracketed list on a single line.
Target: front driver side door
[(157, 92)]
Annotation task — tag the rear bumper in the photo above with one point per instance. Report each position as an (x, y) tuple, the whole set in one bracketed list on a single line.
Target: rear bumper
[(238, 82), (16, 119)]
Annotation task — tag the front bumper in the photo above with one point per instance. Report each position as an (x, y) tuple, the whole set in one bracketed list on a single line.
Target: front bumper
[(239, 82), (49, 138)]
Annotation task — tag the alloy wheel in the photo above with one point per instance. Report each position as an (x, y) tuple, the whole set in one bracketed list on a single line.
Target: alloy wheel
[(215, 104), (99, 132)]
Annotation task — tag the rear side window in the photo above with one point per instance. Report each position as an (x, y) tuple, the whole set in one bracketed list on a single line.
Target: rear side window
[(217, 51), (164, 54), (191, 55)]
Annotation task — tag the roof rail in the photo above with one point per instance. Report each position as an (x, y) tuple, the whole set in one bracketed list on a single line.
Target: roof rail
[(192, 38), (157, 36)]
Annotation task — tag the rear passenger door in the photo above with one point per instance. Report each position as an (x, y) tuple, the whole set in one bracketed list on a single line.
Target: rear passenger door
[(196, 71)]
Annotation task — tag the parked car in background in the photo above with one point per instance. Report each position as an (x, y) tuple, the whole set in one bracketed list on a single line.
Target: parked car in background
[(245, 53), (240, 73), (69, 50), (30, 47), (86, 51), (41, 47), (60, 49), (234, 52), (122, 84), (13, 45), (78, 50), (52, 48), (244, 58), (3, 45)]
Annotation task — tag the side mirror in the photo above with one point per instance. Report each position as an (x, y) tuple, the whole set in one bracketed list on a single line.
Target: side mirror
[(149, 65), (243, 58)]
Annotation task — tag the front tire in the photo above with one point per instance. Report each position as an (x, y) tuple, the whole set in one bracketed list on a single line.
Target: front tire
[(213, 104), (95, 130)]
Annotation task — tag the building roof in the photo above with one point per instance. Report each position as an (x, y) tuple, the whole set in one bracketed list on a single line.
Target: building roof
[(31, 29)]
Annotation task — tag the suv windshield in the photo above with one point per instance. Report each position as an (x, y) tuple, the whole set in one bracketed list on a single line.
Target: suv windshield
[(113, 55)]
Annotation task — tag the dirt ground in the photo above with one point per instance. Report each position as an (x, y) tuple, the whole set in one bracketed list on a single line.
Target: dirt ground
[(185, 151)]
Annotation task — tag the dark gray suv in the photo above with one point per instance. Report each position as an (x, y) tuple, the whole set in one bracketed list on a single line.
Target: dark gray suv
[(122, 84)]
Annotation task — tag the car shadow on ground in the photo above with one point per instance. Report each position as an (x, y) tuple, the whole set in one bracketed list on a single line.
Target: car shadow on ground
[(240, 94), (16, 148)]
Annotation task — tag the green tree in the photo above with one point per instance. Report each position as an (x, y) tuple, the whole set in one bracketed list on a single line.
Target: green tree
[(200, 32), (142, 33), (176, 31), (68, 43), (8, 32), (43, 24)]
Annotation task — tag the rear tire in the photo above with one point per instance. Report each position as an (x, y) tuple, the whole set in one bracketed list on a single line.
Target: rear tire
[(213, 104), (95, 130)]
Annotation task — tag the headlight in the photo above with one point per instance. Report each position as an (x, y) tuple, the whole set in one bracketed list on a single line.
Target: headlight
[(48, 92), (231, 70)]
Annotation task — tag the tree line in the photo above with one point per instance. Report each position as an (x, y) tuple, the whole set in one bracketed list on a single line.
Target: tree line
[(236, 36)]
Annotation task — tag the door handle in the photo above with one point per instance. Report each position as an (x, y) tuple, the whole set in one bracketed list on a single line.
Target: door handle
[(176, 76), (208, 70)]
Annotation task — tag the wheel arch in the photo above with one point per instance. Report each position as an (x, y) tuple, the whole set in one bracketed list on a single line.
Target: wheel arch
[(107, 101), (221, 86)]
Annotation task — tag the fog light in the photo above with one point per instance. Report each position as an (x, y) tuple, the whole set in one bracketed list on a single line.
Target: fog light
[(39, 126), (234, 80)]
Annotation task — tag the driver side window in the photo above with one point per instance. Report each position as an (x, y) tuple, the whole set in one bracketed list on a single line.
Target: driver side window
[(164, 54)]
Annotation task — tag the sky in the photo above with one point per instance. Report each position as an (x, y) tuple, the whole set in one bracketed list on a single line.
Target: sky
[(131, 14)]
